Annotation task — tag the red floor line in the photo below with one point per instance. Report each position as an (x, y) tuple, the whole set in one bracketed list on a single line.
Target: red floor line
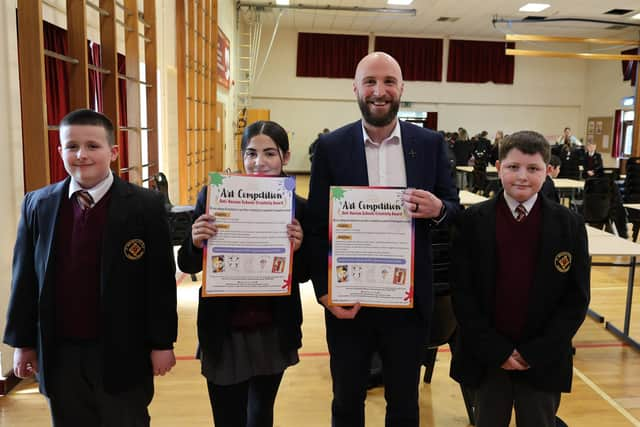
[(181, 278)]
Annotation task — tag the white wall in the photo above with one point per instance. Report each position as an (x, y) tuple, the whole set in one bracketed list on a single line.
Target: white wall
[(604, 91), (547, 95), (11, 177)]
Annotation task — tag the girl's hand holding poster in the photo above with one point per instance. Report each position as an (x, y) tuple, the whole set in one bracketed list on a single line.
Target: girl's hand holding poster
[(251, 253)]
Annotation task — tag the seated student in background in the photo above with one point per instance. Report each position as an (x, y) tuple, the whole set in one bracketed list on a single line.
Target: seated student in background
[(549, 188), (93, 301), (522, 298), (246, 343), (592, 162)]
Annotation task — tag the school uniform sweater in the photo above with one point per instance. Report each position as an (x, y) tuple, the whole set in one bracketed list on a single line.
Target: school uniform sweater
[(78, 252), (517, 246)]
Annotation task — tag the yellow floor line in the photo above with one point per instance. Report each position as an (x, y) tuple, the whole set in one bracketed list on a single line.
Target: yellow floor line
[(607, 398)]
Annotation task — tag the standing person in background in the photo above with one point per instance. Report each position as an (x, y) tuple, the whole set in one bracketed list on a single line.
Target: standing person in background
[(312, 146), (379, 150), (246, 343), (568, 138), (495, 147), (592, 163), (553, 170), (93, 303)]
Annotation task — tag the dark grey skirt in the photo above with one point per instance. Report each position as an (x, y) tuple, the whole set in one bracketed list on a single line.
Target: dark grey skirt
[(245, 355)]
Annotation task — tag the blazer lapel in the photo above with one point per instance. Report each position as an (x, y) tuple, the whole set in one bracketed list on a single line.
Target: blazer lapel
[(546, 250), (485, 256), (357, 166), (116, 220), (413, 157), (48, 208)]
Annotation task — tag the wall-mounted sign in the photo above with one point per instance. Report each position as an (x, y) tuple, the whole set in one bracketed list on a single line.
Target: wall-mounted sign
[(223, 60)]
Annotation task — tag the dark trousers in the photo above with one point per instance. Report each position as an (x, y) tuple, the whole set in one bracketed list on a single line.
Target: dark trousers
[(399, 336), (503, 390), (246, 404), (77, 396)]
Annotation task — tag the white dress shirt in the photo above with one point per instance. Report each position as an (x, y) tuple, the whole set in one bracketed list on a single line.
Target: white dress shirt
[(96, 192), (513, 204), (385, 160)]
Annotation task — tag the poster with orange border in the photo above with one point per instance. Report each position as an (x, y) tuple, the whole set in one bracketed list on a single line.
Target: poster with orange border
[(251, 254), (372, 240)]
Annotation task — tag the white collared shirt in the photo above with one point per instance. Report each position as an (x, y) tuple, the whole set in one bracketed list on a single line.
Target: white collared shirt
[(513, 203), (385, 160), (96, 192)]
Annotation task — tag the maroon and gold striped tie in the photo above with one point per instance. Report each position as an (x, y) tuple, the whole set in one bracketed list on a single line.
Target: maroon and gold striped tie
[(521, 212), (84, 199)]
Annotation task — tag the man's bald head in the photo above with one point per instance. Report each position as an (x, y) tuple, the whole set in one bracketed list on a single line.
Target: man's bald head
[(378, 87), (377, 59)]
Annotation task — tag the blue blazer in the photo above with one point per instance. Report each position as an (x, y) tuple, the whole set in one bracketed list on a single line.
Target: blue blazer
[(137, 297), (340, 159)]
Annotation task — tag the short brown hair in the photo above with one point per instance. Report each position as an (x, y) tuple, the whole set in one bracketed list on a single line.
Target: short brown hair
[(85, 117), (527, 141)]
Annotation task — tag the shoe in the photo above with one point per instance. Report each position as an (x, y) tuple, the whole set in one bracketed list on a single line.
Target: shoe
[(375, 380)]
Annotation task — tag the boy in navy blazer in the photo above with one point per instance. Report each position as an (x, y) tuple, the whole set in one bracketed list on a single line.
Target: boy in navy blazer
[(92, 311), (520, 289)]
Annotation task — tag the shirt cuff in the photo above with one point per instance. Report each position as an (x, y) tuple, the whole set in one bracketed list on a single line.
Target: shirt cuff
[(443, 214)]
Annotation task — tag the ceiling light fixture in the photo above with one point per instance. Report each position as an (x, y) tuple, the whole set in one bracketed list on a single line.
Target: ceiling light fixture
[(328, 8), (636, 16), (534, 7), (399, 2)]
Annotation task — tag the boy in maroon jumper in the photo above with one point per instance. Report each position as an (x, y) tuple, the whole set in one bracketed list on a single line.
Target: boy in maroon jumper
[(93, 303), (520, 289)]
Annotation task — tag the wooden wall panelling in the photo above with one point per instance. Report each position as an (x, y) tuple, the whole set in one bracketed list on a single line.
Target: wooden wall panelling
[(196, 93), (191, 98), (200, 95), (109, 52), (151, 65), (77, 39), (635, 150), (181, 64), (35, 137), (216, 153), (132, 54), (206, 89), (215, 150)]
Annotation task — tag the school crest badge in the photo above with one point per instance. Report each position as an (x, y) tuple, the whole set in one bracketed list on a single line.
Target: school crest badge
[(134, 249), (563, 262)]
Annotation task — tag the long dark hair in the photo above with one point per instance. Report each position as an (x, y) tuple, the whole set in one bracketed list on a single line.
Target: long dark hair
[(269, 128)]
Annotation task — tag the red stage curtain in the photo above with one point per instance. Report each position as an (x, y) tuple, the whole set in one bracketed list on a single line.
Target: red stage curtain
[(480, 62), (56, 74), (420, 59), (329, 55), (629, 67), (616, 147), (122, 111), (432, 121), (95, 78)]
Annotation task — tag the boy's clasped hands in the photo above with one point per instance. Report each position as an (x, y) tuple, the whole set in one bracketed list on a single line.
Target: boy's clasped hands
[(515, 362)]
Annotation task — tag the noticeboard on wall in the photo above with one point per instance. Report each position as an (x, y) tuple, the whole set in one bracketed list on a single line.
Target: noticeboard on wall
[(600, 131)]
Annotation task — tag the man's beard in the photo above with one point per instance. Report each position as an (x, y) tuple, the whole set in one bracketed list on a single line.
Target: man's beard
[(378, 121)]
